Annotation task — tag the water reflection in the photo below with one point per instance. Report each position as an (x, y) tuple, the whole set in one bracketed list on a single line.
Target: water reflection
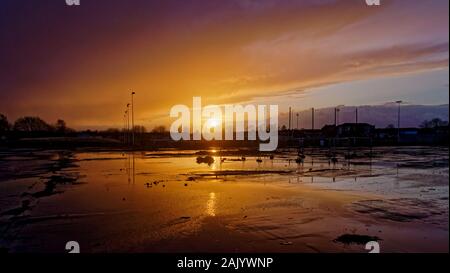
[(317, 167), (130, 168), (211, 205)]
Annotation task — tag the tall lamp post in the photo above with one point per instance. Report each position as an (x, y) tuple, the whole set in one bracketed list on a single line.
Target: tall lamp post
[(336, 114), (399, 103), (290, 115), (124, 128), (128, 123), (132, 117)]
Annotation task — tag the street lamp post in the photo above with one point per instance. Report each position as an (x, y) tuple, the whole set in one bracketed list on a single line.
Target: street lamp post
[(128, 123), (290, 113), (399, 103), (336, 114), (132, 117), (124, 127)]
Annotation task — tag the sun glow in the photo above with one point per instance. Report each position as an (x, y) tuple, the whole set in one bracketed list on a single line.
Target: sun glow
[(213, 122)]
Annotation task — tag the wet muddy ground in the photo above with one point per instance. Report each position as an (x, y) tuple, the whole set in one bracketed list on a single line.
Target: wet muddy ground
[(182, 201)]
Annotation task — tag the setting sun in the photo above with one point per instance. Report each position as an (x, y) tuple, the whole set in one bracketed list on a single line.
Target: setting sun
[(213, 122)]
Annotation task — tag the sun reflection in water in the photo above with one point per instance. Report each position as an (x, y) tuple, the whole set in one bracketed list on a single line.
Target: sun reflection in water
[(211, 205), (214, 165)]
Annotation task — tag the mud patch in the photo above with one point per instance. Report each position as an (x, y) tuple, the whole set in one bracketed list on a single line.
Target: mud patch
[(349, 239), (19, 210), (51, 184)]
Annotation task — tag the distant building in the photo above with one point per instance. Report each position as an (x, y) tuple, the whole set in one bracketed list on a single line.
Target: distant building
[(355, 130), (386, 134), (413, 136), (329, 131)]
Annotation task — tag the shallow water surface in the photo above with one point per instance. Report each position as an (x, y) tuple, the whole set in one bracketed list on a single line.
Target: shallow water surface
[(167, 202)]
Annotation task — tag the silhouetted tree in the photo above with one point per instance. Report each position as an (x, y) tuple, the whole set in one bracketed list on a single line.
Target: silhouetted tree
[(139, 129), (436, 122), (159, 129), (112, 130), (31, 124), (61, 126), (4, 124), (390, 126)]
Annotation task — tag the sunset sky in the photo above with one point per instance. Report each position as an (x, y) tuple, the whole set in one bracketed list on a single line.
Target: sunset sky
[(79, 63)]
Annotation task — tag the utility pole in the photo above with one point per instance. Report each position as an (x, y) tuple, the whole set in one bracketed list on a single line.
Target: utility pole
[(312, 121), (356, 114), (298, 115)]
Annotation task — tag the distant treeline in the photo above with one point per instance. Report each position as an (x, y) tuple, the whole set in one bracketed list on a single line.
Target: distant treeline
[(434, 123), (32, 124), (32, 131)]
